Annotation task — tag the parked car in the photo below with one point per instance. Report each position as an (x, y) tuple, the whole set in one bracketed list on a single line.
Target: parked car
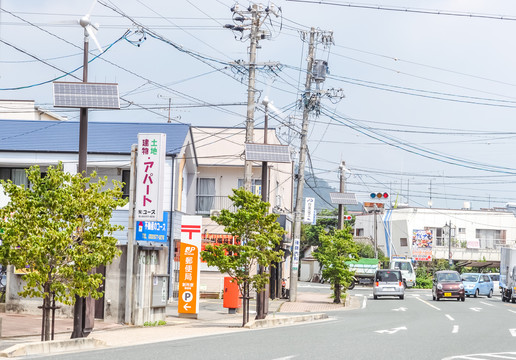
[(447, 284), (496, 282), (477, 284), (388, 282)]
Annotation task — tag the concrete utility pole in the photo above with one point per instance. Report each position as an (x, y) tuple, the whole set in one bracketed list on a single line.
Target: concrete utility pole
[(249, 124), (375, 232), (342, 168), (301, 169), (130, 241)]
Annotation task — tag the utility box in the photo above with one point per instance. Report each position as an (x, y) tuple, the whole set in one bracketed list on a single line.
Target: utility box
[(232, 299), (159, 296)]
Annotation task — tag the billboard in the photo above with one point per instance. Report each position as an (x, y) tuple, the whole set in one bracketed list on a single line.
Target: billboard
[(422, 245), (150, 172)]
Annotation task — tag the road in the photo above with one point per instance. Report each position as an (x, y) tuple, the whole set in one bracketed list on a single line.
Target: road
[(387, 328)]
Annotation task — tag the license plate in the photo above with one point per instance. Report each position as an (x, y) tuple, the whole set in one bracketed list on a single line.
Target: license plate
[(447, 294), (388, 289)]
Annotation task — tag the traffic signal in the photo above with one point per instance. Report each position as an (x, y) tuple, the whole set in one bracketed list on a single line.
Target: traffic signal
[(379, 195), (348, 217)]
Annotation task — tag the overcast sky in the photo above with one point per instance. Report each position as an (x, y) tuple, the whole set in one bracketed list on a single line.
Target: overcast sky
[(429, 94)]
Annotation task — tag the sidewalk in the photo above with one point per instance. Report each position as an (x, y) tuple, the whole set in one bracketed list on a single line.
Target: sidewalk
[(23, 332)]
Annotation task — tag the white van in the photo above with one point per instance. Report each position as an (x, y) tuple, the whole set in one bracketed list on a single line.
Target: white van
[(407, 270)]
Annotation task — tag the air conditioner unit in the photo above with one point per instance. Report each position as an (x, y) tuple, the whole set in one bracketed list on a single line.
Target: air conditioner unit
[(214, 213)]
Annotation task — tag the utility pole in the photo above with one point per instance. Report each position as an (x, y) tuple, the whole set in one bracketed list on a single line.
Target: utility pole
[(301, 169), (450, 260), (375, 232), (342, 168)]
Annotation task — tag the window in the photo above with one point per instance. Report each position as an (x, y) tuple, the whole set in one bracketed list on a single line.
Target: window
[(403, 242), (462, 230), (256, 185), (205, 195), (18, 176), (126, 179), (359, 232)]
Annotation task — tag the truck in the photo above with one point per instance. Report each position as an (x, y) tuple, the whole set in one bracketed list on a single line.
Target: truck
[(508, 274), (407, 271), (364, 269)]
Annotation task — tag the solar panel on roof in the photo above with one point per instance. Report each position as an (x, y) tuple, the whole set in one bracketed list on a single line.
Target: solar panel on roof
[(267, 152), (86, 95), (343, 198)]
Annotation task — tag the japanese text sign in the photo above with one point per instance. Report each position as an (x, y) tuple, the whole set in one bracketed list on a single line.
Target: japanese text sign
[(189, 270), (150, 177), (422, 245), (153, 231)]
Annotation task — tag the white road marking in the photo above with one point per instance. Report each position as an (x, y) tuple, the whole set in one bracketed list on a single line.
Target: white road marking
[(286, 357), (512, 311), (449, 317), (455, 329), (391, 331), (426, 302), (513, 332), (506, 355), (364, 302), (476, 309), (400, 309), (486, 303)]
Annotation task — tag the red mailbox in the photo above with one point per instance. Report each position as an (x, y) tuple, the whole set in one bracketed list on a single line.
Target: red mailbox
[(232, 299)]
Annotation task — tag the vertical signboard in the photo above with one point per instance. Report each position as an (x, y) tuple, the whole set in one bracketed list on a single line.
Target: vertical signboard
[(422, 245), (309, 210), (295, 254), (150, 177), (189, 270)]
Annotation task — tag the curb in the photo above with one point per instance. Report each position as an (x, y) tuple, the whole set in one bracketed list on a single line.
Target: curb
[(52, 347), (255, 324)]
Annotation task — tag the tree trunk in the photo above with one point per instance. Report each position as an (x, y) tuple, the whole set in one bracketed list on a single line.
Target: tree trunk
[(45, 321), (244, 299), (336, 292)]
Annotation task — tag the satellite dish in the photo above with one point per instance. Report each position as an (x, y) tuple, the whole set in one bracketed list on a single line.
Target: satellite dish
[(90, 28)]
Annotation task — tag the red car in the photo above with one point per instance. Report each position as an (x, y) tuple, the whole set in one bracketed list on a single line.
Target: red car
[(448, 284)]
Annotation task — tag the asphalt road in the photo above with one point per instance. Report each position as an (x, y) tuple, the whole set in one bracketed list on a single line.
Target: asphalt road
[(387, 328)]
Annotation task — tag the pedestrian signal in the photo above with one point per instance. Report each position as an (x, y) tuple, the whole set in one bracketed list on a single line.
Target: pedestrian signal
[(379, 195), (347, 217)]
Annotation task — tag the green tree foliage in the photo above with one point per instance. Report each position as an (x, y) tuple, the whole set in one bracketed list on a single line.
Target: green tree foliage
[(259, 235), (58, 230), (326, 221), (336, 248)]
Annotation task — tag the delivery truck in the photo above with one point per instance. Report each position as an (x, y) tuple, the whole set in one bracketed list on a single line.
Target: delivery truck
[(508, 274)]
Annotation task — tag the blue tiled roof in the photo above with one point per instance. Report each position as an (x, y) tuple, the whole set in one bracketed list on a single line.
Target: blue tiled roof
[(103, 137)]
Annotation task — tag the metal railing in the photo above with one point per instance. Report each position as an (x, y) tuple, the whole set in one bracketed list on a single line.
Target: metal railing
[(205, 204), (483, 243)]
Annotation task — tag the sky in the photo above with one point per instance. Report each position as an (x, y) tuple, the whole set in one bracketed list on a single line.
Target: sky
[(429, 86)]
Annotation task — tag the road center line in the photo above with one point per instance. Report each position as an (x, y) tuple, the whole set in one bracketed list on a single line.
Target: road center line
[(449, 317), (486, 303), (426, 302), (455, 329)]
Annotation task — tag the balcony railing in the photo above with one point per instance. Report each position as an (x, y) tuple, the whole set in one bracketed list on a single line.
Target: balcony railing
[(205, 204), (477, 243)]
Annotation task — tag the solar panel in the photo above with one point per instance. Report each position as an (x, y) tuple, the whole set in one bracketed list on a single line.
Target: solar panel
[(267, 152), (86, 95), (343, 198)]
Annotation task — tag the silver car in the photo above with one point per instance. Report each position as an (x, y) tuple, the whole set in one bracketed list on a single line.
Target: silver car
[(388, 282)]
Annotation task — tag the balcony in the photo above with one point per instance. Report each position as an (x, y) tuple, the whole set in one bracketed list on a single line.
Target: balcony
[(476, 243), (204, 204)]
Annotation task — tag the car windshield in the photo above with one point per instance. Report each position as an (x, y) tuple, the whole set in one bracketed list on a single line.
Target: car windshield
[(402, 266), (387, 276), (494, 277), (470, 277), (448, 277)]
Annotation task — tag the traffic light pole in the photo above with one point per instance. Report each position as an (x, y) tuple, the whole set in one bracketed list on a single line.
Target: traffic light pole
[(301, 170)]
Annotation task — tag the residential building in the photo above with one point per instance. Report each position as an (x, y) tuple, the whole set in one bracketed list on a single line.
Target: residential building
[(460, 235)]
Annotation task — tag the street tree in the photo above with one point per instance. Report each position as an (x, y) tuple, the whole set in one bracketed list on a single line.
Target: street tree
[(336, 248), (258, 235), (57, 230)]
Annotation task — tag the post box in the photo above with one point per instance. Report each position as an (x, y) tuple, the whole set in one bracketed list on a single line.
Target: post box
[(232, 299)]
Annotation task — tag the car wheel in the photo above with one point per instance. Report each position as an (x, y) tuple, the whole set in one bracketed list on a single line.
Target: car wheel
[(490, 295), (476, 293), (375, 297), (437, 298), (458, 299), (402, 297), (463, 299), (467, 295), (433, 297), (404, 284), (512, 300)]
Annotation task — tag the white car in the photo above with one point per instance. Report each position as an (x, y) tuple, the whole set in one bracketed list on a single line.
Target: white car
[(496, 282)]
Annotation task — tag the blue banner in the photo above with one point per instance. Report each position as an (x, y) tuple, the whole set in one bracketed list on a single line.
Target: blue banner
[(153, 231)]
